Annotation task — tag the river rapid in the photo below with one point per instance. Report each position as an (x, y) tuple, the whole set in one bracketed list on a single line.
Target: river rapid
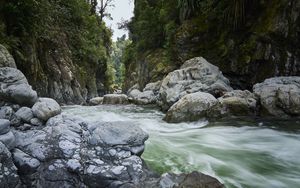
[(241, 152)]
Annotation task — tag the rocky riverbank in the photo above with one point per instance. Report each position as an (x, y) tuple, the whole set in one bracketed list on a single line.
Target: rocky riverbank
[(40, 147), (199, 90)]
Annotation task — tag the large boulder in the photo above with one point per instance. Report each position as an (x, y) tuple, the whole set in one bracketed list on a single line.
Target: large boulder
[(149, 95), (235, 103), (115, 99), (14, 87), (279, 96), (191, 107), (25, 114), (194, 75), (46, 108), (6, 60), (96, 101)]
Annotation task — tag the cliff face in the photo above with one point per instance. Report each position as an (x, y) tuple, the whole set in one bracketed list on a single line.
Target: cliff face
[(261, 44), (60, 47)]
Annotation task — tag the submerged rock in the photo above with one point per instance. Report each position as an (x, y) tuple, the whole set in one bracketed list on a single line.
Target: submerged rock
[(194, 75), (15, 88), (279, 96), (46, 108), (115, 99), (191, 107)]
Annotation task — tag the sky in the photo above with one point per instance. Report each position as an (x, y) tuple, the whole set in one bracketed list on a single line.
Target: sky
[(123, 10)]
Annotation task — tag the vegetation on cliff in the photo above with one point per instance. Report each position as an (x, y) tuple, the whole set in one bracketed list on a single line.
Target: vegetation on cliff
[(249, 40)]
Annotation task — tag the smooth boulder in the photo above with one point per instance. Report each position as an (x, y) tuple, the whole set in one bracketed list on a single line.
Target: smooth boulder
[(14, 87), (96, 101), (115, 99), (194, 75), (46, 108), (4, 126), (191, 107), (25, 114), (279, 96), (149, 95)]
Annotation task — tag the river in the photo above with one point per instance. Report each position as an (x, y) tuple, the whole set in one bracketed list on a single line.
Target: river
[(239, 152)]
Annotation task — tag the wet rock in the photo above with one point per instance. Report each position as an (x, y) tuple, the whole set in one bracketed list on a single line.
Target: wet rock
[(46, 108), (279, 96), (96, 101), (6, 60), (8, 176), (25, 114), (4, 126), (194, 75), (115, 99), (191, 107), (15, 88)]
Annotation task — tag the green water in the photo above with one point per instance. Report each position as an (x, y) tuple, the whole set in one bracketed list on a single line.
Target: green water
[(239, 152)]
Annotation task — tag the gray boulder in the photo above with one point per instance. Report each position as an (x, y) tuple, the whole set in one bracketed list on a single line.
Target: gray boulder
[(194, 75), (96, 101), (236, 103), (279, 96), (191, 107), (115, 99), (25, 114), (14, 87), (8, 140), (8, 176), (24, 162), (4, 126), (6, 60), (46, 108), (142, 98)]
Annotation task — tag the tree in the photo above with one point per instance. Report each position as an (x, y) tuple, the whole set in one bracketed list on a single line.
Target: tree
[(103, 6)]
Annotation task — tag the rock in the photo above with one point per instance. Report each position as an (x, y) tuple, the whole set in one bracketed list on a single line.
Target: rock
[(6, 60), (142, 98), (6, 112), (115, 99), (279, 96), (24, 162), (194, 75), (25, 114), (36, 122), (8, 140), (191, 107), (116, 133), (8, 176), (96, 101), (154, 86), (191, 180), (236, 103), (46, 108), (15, 88), (4, 126)]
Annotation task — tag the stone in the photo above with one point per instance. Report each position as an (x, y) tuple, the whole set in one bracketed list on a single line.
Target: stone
[(8, 140), (191, 107), (36, 122), (142, 98), (25, 114), (6, 112), (4, 126), (115, 99), (279, 96), (15, 88), (194, 75), (96, 101), (6, 60), (236, 103), (46, 108), (9, 176), (24, 162)]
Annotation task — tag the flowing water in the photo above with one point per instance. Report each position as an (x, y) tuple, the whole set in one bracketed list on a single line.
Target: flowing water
[(240, 153)]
